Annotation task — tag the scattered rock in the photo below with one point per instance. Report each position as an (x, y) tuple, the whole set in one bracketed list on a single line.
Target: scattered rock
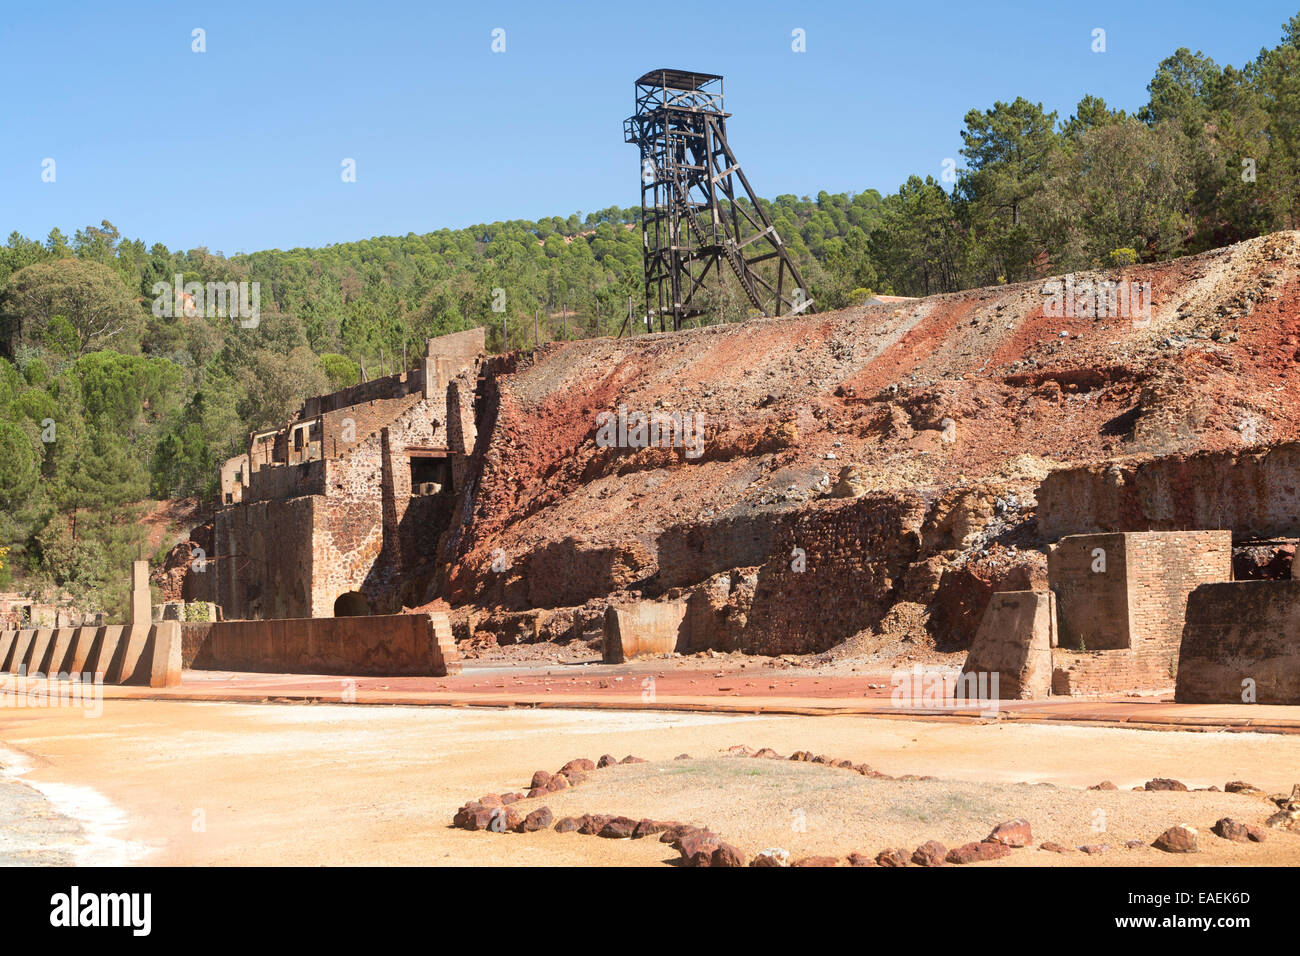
[(539, 819), (568, 824), (1104, 785), (581, 765), (817, 861), (1135, 844), (557, 782), (540, 779), (861, 859), (740, 750), (1164, 783), (1179, 839), (724, 854), (606, 760), (491, 800), (977, 852), (618, 828), (1256, 834), (509, 798), (630, 759), (648, 827), (592, 823), (894, 857), (504, 819), (767, 753), (697, 848), (772, 856), (1284, 820), (682, 757), (930, 853), (1241, 786), (1054, 847), (1230, 829), (1011, 833), (1094, 848), (473, 817), (574, 777)]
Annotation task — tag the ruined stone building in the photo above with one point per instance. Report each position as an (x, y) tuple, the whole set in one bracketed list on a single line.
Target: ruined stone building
[(339, 512)]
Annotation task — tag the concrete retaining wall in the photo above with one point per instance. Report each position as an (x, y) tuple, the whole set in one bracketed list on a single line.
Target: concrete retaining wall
[(143, 654), (390, 645), (1015, 642), (1239, 632), (642, 629)]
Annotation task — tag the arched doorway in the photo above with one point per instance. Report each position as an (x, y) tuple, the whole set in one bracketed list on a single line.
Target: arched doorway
[(351, 604)]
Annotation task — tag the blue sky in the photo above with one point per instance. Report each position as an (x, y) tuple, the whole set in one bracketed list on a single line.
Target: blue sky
[(240, 148)]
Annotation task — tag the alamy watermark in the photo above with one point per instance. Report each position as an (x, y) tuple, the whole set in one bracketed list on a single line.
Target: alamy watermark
[(36, 690), (234, 300), (654, 430), (937, 690), (1101, 299)]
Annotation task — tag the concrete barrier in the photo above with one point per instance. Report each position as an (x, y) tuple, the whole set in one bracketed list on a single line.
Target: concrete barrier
[(148, 655), (387, 645), (1241, 644), (641, 629), (1015, 641)]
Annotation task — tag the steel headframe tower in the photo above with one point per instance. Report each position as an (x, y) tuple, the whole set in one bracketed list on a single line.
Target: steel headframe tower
[(690, 218)]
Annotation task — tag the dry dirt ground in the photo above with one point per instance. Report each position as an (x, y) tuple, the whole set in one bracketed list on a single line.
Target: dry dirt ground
[(218, 783)]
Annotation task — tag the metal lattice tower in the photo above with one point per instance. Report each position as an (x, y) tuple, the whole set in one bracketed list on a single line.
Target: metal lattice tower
[(691, 220)]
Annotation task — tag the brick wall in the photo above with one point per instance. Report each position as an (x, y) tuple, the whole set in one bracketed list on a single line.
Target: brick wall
[(1089, 574), (1241, 644), (1253, 494)]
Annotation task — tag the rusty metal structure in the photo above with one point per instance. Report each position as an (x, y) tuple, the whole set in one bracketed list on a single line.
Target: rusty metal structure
[(694, 213)]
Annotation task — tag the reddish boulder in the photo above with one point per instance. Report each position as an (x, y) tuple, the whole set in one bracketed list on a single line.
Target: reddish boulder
[(539, 819), (568, 824), (724, 854), (1104, 785), (1256, 834), (1011, 833), (767, 753), (537, 792), (592, 823), (648, 827), (1230, 829), (606, 760), (509, 798), (977, 852), (930, 853), (581, 765), (556, 783), (774, 856), (472, 816), (618, 828), (862, 859), (1054, 847), (893, 857), (1164, 783), (1241, 786), (504, 819), (1179, 839), (817, 861), (630, 759), (574, 777), (697, 848), (540, 779), (1094, 848), (491, 800)]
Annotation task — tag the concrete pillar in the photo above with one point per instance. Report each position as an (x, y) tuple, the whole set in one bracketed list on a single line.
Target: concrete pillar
[(141, 605)]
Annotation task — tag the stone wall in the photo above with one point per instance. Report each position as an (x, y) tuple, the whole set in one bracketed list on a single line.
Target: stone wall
[(263, 558), (389, 645), (1092, 605), (1253, 494), (1241, 644)]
